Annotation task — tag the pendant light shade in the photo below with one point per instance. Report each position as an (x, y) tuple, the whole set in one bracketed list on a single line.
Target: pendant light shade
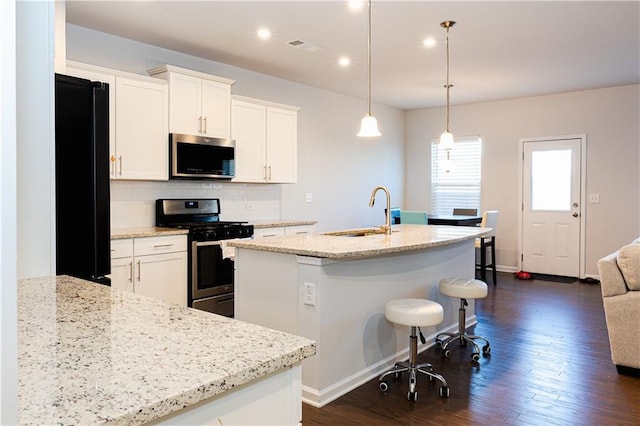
[(369, 124), (446, 139), (368, 127)]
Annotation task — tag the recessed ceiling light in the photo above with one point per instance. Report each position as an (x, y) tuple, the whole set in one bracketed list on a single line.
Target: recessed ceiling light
[(429, 42), (344, 61), (356, 4), (264, 33)]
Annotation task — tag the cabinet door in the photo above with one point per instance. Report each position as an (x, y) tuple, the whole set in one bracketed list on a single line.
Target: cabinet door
[(216, 106), (282, 143), (249, 131), (162, 276), (122, 273), (111, 80), (142, 130), (185, 104)]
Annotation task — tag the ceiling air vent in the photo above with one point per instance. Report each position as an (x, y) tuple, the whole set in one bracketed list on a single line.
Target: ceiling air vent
[(306, 46)]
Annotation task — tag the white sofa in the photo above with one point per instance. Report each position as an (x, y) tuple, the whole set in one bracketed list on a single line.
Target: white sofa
[(620, 285)]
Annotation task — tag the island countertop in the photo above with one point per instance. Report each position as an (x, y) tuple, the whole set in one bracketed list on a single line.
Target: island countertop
[(90, 354), (403, 238)]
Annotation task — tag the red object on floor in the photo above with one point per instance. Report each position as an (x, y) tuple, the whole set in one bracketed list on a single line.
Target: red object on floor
[(522, 275)]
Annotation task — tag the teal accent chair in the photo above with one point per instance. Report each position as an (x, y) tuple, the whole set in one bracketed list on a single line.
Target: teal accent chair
[(413, 217)]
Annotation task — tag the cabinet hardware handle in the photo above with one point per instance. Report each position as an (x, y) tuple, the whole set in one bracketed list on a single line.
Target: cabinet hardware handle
[(265, 172), (130, 272), (113, 165), (138, 270), (120, 160), (205, 125), (200, 124), (162, 245), (269, 171)]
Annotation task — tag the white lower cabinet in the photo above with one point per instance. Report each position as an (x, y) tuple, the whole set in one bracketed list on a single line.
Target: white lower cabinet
[(268, 232), (299, 230), (280, 231), (151, 266)]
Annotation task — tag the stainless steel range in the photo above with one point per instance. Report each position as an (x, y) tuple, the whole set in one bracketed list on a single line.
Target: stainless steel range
[(211, 269)]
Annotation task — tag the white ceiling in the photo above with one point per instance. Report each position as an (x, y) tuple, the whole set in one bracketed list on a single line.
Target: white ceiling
[(499, 49)]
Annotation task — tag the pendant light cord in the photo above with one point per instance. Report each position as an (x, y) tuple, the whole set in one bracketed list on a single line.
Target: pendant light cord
[(448, 85), (369, 58)]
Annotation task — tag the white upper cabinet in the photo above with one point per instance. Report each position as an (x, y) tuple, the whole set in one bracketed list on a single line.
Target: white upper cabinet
[(199, 103), (141, 130), (266, 136), (138, 122)]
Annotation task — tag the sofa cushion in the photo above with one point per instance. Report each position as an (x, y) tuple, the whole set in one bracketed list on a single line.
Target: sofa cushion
[(629, 264)]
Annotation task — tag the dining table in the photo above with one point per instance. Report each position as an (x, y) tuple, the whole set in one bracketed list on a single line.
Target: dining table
[(454, 220)]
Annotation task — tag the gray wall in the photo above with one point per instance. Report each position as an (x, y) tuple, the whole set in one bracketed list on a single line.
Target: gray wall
[(610, 119)]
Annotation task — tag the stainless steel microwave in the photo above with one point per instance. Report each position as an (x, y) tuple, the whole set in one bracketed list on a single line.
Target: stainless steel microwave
[(200, 157)]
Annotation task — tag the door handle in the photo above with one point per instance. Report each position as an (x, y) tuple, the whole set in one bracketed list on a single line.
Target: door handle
[(575, 215)]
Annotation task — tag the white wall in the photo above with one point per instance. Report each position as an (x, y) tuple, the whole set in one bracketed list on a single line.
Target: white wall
[(8, 274), (610, 119), (339, 169)]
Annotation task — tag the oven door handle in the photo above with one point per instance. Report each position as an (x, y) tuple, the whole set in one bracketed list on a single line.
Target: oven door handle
[(207, 243)]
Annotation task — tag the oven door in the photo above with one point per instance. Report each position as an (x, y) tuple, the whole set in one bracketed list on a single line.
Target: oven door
[(211, 272)]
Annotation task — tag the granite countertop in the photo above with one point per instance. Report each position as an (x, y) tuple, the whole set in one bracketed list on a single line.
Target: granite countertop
[(151, 231), (90, 354), (277, 223), (403, 238)]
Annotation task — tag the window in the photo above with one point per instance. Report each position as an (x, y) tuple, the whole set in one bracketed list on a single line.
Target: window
[(456, 184)]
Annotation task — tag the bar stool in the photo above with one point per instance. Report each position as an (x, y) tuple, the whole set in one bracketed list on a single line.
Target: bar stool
[(463, 289), (414, 313)]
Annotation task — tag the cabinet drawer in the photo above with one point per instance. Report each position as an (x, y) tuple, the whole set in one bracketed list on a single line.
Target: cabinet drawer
[(299, 230), (155, 245), (268, 232), (121, 248)]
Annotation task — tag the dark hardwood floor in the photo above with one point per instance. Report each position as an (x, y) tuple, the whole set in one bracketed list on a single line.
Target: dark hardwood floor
[(549, 365)]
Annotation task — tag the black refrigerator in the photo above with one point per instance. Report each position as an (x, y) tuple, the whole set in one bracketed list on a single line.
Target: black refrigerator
[(83, 230)]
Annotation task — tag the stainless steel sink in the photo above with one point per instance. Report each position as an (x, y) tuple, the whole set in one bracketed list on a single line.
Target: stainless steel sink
[(361, 232)]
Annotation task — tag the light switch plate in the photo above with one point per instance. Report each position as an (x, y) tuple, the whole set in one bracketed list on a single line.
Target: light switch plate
[(309, 197), (310, 294)]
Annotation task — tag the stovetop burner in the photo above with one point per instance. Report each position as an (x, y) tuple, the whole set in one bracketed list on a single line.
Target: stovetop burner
[(201, 217)]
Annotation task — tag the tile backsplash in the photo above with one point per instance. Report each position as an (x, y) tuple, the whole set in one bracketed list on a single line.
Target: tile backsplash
[(133, 202)]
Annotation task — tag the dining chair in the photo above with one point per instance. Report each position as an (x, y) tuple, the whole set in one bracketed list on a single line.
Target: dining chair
[(465, 212), (489, 220), (415, 217)]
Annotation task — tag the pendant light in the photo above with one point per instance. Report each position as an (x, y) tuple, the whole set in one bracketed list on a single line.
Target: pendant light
[(369, 124), (446, 139)]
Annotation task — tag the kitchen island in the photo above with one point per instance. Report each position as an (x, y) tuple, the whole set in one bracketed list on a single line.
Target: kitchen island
[(92, 354), (333, 289)]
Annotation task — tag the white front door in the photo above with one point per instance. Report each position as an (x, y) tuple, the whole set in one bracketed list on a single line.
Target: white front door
[(552, 199)]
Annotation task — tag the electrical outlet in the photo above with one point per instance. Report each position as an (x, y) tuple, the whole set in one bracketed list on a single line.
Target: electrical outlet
[(310, 294), (594, 198), (309, 197)]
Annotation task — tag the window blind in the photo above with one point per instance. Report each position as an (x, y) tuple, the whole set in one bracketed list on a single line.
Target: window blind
[(459, 187)]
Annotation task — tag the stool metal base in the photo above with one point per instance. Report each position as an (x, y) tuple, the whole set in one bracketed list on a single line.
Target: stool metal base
[(462, 337), (413, 368)]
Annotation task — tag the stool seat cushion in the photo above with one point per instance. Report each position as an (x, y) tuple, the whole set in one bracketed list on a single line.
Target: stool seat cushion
[(463, 288), (414, 312)]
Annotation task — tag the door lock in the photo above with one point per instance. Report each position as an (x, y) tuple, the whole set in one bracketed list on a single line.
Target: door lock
[(575, 215)]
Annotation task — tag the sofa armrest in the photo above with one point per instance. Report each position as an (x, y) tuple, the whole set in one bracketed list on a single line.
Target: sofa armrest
[(611, 280)]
